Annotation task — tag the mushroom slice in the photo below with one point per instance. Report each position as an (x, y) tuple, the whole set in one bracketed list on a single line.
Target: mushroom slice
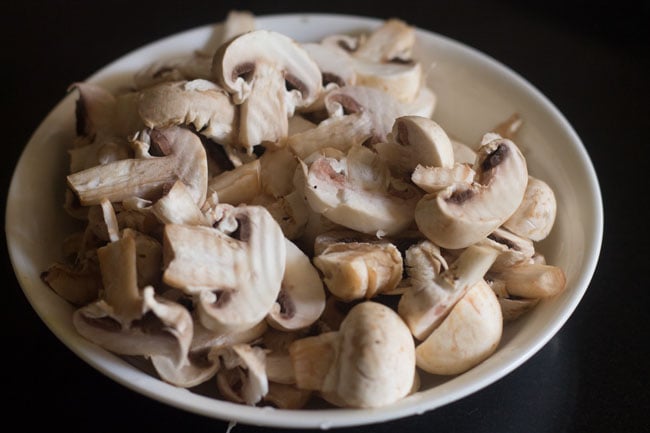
[(400, 80), (468, 335), (356, 191), (178, 207), (243, 376), (338, 132), (258, 68), (199, 366), (392, 41), (239, 185), (535, 217), (237, 23), (427, 302), (531, 280), (381, 107), (128, 321), (358, 270), (184, 160), (416, 140), (285, 396), (434, 179), (195, 65), (291, 212), (79, 286), (301, 299), (199, 103), (513, 249), (334, 62), (461, 215), (463, 154), (369, 362), (277, 168), (235, 279)]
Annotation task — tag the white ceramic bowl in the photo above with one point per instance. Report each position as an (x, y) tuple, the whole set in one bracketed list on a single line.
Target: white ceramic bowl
[(474, 93)]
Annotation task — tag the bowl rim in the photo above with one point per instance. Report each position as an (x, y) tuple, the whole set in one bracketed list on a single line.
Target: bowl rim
[(122, 372)]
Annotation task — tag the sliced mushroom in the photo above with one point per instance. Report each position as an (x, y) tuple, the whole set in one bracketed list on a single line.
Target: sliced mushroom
[(357, 270), (369, 362), (393, 40), (434, 179), (200, 366), (338, 132), (285, 396), (128, 321), (463, 154), (239, 185), (234, 278), (430, 298), (301, 299), (381, 108), (416, 140), (533, 280), (270, 75), (356, 191), (513, 249), (78, 285), (335, 64), (178, 207), (184, 160), (461, 215), (199, 103), (243, 377), (468, 335), (535, 217)]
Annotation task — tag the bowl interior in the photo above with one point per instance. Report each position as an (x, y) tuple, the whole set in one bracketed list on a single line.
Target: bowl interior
[(474, 93)]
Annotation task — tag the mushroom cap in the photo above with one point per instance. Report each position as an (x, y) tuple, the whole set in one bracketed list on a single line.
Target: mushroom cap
[(470, 333), (461, 214)]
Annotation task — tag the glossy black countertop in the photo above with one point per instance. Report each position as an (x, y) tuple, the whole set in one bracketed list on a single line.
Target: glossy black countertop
[(591, 60)]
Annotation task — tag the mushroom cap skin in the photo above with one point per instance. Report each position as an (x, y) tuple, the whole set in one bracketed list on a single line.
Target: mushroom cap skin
[(301, 300), (468, 335), (461, 215), (376, 363)]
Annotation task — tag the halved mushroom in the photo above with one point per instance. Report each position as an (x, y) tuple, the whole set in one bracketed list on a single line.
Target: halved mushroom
[(431, 296), (468, 335), (301, 299), (357, 270), (369, 362), (130, 321), (271, 76), (236, 276), (416, 140), (357, 191), (184, 160), (461, 215), (535, 216)]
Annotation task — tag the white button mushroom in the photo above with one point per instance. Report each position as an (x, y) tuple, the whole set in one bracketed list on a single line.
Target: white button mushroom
[(468, 335), (369, 362)]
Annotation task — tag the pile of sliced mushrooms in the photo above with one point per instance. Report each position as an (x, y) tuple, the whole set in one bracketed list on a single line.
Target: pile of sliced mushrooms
[(286, 221)]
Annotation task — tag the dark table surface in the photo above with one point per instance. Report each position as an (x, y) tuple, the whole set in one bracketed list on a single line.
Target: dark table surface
[(591, 60)]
